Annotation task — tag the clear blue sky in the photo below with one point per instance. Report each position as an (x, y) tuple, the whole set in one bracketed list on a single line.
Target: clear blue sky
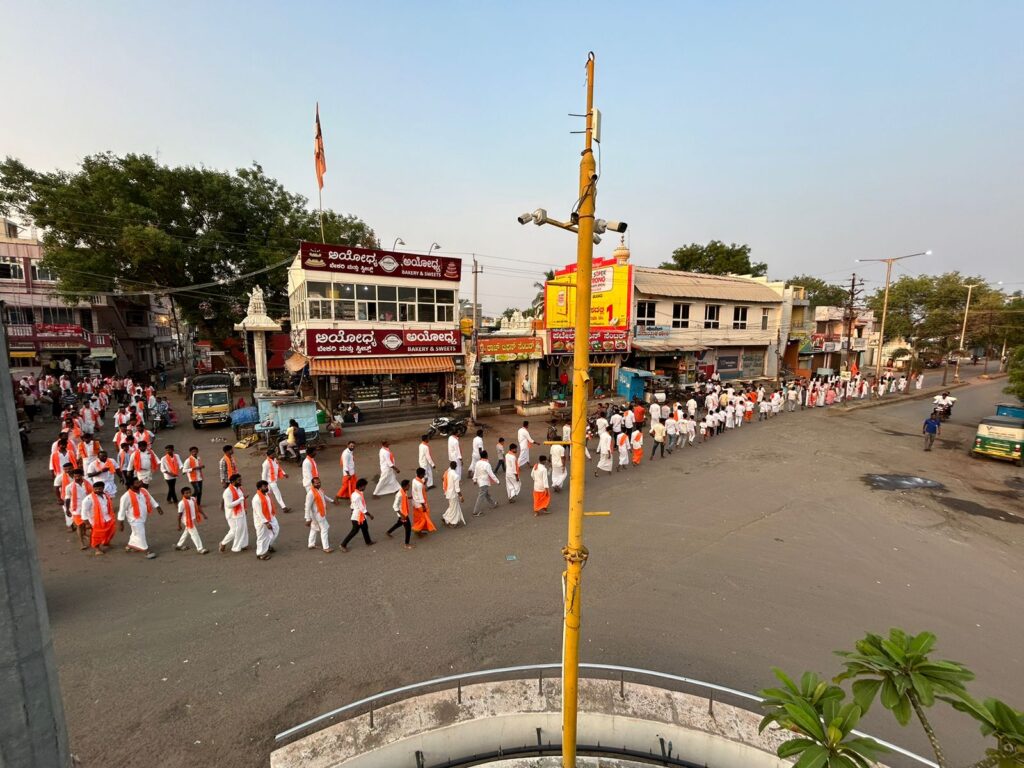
[(816, 132)]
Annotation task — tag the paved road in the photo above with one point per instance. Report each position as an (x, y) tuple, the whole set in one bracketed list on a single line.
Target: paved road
[(762, 548)]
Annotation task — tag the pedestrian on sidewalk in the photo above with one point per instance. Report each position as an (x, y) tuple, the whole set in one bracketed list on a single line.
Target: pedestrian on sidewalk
[(932, 427), (484, 478)]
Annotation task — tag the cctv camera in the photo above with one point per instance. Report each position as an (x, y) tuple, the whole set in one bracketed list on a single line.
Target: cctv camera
[(593, 176), (539, 216), (617, 226), (525, 218), (597, 239)]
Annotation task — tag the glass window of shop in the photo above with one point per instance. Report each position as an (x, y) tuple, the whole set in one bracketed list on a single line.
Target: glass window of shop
[(388, 391), (379, 303)]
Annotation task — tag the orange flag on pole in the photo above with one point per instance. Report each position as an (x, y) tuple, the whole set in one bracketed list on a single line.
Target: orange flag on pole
[(318, 151)]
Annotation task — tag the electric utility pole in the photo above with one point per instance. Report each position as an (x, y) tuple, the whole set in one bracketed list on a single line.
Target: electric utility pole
[(474, 379), (32, 726), (856, 289)]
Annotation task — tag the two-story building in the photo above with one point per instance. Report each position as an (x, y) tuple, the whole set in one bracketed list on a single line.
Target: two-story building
[(379, 328), (688, 323), (118, 333)]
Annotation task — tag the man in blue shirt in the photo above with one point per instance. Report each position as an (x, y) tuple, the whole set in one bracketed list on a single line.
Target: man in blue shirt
[(932, 427)]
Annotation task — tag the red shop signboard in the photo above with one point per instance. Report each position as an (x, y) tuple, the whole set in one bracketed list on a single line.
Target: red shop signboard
[(373, 342), (563, 341), (349, 260)]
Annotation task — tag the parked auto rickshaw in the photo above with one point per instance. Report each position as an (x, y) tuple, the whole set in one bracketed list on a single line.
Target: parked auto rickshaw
[(1000, 437)]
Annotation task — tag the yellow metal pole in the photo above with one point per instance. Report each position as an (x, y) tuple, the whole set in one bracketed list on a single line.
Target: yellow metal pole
[(575, 553)]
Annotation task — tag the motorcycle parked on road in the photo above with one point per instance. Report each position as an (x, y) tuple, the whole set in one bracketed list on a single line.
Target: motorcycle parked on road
[(447, 425)]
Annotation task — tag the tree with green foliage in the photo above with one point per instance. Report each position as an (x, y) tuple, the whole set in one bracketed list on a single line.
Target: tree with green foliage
[(898, 671), (1015, 369), (715, 258), (129, 223), (821, 293)]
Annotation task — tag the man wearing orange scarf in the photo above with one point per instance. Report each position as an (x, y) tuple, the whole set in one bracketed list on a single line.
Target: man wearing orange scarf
[(189, 515), (421, 522), (170, 466), (541, 486), (74, 495), (316, 515), (234, 512), (348, 471), (144, 462), (98, 512), (136, 507), (264, 520)]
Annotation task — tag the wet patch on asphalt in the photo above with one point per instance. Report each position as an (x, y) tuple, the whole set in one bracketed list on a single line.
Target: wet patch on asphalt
[(901, 483), (976, 509), (1015, 482)]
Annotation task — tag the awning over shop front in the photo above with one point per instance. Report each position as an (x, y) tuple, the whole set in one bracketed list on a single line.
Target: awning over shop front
[(367, 366), (665, 347), (21, 353), (296, 362)]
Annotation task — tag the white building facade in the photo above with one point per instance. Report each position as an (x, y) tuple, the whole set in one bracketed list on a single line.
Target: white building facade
[(378, 328)]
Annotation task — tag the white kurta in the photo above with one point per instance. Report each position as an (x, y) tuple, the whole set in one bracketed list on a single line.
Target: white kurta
[(318, 524), (512, 483), (388, 482), (622, 444), (524, 440), (455, 453), (558, 473), (234, 512), (426, 461), (267, 531), (453, 515), (137, 539), (604, 452)]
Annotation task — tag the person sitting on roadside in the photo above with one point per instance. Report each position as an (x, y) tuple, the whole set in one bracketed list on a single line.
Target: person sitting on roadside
[(289, 446)]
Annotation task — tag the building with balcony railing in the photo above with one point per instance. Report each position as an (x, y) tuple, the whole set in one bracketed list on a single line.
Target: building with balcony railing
[(119, 334)]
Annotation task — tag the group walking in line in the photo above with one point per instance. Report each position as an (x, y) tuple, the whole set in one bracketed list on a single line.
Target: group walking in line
[(86, 474)]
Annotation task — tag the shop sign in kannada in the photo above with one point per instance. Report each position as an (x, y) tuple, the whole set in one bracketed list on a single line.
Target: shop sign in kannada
[(728, 362), (563, 341), (502, 350), (652, 332), (350, 260), (374, 342)]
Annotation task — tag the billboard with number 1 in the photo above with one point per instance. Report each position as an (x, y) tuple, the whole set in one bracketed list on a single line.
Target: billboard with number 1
[(611, 300)]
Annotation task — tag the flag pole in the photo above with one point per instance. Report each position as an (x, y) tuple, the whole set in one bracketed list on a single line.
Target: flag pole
[(320, 195)]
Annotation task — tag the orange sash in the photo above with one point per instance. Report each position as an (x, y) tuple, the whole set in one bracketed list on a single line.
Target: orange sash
[(275, 470), (444, 482), (404, 513), (318, 502), (235, 496), (97, 511), (313, 471), (232, 467), (137, 460), (267, 506), (192, 463), (362, 506), (134, 497), (57, 465), (191, 513), (172, 465), (74, 494)]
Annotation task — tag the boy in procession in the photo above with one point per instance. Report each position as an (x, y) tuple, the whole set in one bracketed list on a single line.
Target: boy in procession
[(426, 461), (189, 515), (234, 512), (403, 511), (359, 515)]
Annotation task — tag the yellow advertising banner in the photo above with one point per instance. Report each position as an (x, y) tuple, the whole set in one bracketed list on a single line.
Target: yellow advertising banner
[(610, 302)]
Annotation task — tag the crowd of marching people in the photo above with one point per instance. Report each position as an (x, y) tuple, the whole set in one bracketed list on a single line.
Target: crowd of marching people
[(86, 475)]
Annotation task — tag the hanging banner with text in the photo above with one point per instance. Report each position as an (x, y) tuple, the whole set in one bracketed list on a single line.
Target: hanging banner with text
[(563, 341), (373, 342), (515, 348), (349, 260), (610, 300)]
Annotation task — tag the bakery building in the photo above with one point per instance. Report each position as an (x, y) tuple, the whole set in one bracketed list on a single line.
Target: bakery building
[(378, 328)]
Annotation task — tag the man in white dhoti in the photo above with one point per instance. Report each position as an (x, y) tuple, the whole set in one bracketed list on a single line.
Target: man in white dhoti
[(604, 452), (103, 470), (264, 520), (426, 461), (136, 507), (525, 441), (513, 474), (234, 512), (455, 453), (558, 473), (622, 444), (272, 471), (451, 483), (478, 447), (388, 483)]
